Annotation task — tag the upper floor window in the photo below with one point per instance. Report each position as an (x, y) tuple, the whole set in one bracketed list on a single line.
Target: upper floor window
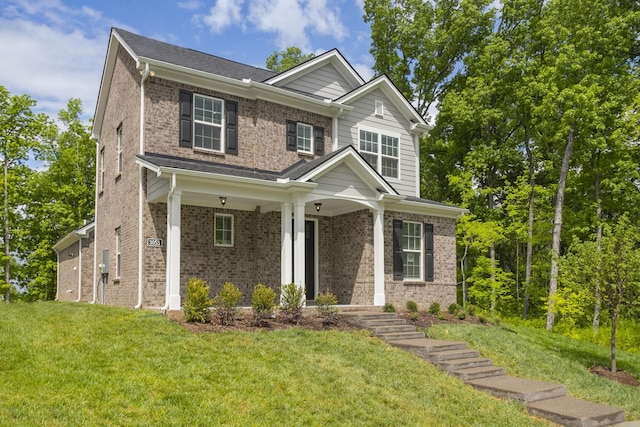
[(207, 115), (118, 265), (381, 151), (120, 142), (304, 138), (101, 176)]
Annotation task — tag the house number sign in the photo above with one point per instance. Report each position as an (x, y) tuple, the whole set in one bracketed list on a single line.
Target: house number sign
[(154, 242)]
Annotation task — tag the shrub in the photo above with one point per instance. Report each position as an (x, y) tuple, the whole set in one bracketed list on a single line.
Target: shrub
[(225, 303), (434, 308), (413, 316), (291, 302), (412, 306), (453, 308), (389, 308), (462, 315), (326, 306), (263, 302), (471, 309), (196, 304)]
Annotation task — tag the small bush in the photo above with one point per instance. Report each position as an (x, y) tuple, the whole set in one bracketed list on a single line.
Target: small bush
[(291, 302), (482, 319), (413, 316), (263, 303), (196, 304), (225, 304), (434, 308), (412, 306), (389, 308), (462, 315), (442, 316), (453, 308), (326, 306), (471, 309)]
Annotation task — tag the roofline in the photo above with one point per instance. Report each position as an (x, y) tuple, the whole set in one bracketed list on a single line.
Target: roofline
[(331, 55), (74, 236), (437, 209)]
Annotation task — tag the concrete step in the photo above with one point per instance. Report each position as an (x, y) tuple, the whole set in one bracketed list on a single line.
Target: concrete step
[(521, 389), (424, 346), (572, 412), (457, 364), (393, 336), (468, 374), (382, 322), (439, 356), (355, 317), (393, 328)]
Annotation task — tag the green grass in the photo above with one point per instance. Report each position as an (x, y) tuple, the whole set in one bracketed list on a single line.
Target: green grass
[(545, 356), (77, 364)]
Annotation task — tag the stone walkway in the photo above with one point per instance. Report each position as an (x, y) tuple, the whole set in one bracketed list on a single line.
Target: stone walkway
[(542, 399)]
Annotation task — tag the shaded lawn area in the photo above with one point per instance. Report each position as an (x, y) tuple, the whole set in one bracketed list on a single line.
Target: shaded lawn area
[(538, 354), (78, 364)]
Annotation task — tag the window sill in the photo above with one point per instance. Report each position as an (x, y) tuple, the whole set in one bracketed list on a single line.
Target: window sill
[(414, 282), (118, 177), (116, 280), (307, 155), (205, 151)]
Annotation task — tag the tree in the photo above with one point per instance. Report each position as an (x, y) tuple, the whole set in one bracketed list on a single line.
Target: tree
[(288, 58), (610, 267), (62, 199), (22, 134)]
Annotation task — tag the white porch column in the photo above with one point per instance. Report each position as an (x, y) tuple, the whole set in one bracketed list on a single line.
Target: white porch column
[(173, 250), (298, 244), (286, 244), (378, 257)]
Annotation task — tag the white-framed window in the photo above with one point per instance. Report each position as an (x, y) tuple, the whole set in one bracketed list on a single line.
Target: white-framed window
[(120, 142), (305, 138), (223, 230), (379, 108), (382, 151), (101, 176), (412, 250), (118, 245), (207, 122)]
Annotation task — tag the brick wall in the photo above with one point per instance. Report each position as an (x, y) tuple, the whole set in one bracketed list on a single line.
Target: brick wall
[(261, 128), (70, 266)]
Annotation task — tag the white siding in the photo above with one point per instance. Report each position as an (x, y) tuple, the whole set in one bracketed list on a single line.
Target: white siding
[(341, 180), (392, 121), (157, 188), (326, 82)]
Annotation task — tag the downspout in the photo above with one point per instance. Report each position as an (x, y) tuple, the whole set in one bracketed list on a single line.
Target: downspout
[(145, 75), (172, 188), (95, 228), (334, 129), (57, 274), (79, 270)]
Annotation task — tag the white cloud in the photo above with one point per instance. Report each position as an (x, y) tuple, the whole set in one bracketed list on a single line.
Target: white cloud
[(223, 14)]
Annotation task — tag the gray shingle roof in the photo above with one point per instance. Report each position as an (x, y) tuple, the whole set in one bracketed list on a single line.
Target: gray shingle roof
[(165, 52)]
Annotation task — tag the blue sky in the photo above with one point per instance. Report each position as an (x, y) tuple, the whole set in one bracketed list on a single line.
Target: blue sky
[(54, 50)]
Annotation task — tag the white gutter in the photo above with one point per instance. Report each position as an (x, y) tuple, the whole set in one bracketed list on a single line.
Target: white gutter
[(57, 274), (79, 269), (95, 230), (145, 75)]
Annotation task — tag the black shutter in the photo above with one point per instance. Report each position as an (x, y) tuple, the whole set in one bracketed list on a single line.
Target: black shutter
[(292, 136), (428, 252), (318, 138), (231, 112), (397, 250), (186, 123)]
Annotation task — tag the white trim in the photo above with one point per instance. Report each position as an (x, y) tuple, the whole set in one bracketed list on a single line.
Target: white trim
[(286, 243), (174, 235), (378, 257), (298, 243), (316, 257)]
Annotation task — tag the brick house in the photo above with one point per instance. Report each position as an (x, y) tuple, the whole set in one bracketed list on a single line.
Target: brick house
[(214, 169)]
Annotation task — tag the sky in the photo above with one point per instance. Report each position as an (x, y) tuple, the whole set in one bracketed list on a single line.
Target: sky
[(54, 50)]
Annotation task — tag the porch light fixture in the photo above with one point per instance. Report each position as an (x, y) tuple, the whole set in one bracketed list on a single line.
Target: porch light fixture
[(223, 200), (317, 205)]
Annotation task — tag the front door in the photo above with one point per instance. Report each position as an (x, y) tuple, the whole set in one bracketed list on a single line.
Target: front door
[(310, 259)]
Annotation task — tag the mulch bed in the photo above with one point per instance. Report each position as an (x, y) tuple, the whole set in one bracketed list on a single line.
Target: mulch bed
[(313, 322)]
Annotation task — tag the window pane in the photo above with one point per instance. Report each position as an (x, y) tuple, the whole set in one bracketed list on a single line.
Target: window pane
[(368, 141), (304, 137), (411, 265), (207, 137), (372, 159), (389, 146), (208, 110), (412, 249), (223, 230), (389, 167)]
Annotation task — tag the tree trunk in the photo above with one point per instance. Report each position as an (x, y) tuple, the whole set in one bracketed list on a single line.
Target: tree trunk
[(7, 237), (557, 228), (596, 308), (529, 261), (464, 276)]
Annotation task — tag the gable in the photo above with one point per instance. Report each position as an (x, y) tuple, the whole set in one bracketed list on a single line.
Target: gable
[(325, 82), (343, 181)]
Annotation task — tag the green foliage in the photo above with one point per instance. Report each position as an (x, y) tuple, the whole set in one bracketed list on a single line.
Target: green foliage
[(389, 308), (288, 58), (291, 302), (453, 308), (490, 290), (225, 304), (326, 306), (263, 304), (413, 316), (412, 306), (197, 303), (434, 308)]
